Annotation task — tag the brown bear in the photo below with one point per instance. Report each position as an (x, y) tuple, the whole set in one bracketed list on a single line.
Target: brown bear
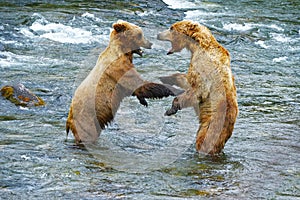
[(114, 77), (211, 89)]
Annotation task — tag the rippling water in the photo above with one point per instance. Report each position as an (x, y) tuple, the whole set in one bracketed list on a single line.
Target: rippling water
[(50, 47)]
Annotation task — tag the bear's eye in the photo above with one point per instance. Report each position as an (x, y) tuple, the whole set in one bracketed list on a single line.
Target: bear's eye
[(139, 36)]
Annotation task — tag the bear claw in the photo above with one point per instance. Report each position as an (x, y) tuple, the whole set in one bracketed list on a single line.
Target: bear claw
[(171, 111)]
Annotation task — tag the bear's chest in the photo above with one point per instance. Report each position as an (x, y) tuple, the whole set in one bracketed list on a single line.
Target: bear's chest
[(198, 75), (118, 69)]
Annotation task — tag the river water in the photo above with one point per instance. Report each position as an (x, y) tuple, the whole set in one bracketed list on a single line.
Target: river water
[(50, 46)]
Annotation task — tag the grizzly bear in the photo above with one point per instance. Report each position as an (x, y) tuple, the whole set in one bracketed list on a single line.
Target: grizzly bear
[(211, 89), (114, 77)]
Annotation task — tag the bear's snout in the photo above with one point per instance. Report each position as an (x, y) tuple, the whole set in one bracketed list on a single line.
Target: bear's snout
[(147, 44), (165, 36)]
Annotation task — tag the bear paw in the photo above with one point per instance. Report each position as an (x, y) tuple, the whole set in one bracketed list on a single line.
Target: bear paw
[(175, 107), (142, 101)]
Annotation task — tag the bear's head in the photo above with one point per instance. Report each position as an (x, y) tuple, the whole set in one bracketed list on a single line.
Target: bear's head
[(129, 37), (185, 33)]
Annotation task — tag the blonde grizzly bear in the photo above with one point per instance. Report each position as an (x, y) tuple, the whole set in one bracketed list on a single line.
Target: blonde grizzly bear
[(114, 77), (211, 89)]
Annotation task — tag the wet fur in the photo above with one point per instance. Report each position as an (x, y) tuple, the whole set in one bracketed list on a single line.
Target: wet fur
[(177, 79), (211, 91), (114, 77)]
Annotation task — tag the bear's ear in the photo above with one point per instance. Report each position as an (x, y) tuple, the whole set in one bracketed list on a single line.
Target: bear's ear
[(119, 27)]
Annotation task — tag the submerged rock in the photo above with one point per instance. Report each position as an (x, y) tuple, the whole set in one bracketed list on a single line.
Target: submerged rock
[(21, 96)]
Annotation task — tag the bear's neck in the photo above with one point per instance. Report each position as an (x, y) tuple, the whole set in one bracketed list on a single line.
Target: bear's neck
[(215, 52), (114, 53), (116, 50), (130, 56)]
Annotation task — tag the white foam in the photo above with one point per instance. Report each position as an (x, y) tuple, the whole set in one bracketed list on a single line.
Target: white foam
[(91, 16), (284, 58), (24, 156), (274, 26), (39, 18), (145, 13), (200, 15), (5, 62), (26, 32), (14, 59), (237, 27), (248, 26), (7, 41), (62, 33), (177, 4), (88, 15), (281, 37), (262, 44), (195, 14)]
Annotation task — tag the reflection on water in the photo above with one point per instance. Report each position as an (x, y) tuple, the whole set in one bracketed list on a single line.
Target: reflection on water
[(49, 47)]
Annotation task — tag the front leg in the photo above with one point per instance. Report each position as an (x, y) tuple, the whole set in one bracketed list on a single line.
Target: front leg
[(153, 91), (185, 100), (177, 79), (175, 107), (142, 101), (132, 83)]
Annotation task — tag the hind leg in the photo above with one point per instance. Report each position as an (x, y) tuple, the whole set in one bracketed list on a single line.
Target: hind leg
[(70, 125), (213, 129)]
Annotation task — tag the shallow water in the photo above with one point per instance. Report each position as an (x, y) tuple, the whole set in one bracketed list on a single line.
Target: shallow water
[(50, 47)]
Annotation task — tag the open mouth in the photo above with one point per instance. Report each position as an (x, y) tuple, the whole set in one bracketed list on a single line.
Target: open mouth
[(173, 48), (138, 51), (165, 36), (171, 51)]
